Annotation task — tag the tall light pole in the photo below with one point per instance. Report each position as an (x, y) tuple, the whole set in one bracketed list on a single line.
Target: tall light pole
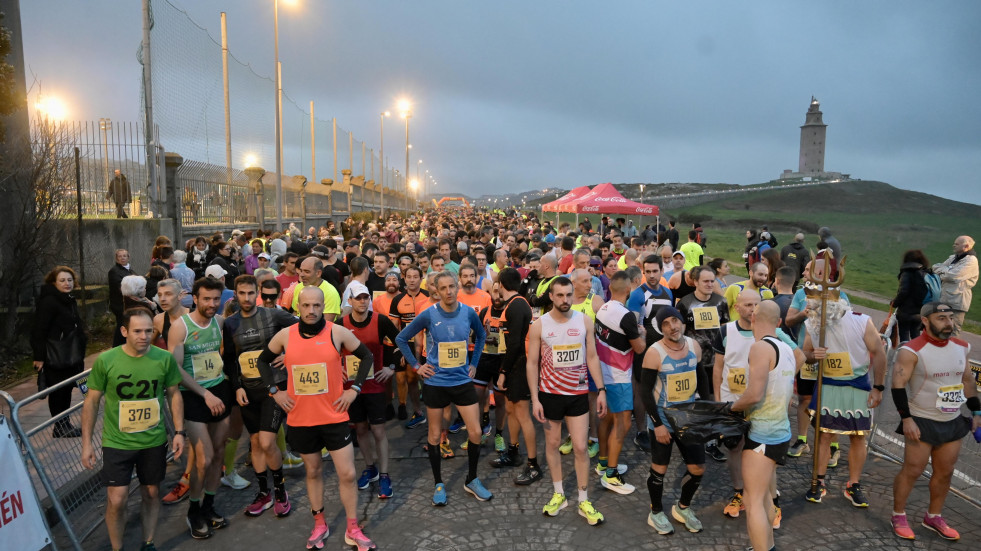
[(279, 119), (422, 183), (381, 160), (406, 111)]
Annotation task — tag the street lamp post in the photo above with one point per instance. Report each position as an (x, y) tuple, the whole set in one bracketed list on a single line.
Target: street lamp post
[(381, 160), (279, 119), (422, 183), (406, 108)]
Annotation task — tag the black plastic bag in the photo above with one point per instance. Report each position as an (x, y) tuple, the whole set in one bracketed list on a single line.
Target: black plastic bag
[(701, 421)]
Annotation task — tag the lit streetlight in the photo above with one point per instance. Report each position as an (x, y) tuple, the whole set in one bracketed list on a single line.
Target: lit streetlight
[(51, 107), (381, 160), (405, 111)]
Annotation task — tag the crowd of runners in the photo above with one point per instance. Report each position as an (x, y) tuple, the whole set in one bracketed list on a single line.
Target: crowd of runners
[(313, 340)]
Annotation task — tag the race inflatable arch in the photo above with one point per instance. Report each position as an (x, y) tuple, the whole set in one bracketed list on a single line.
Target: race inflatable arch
[(444, 199)]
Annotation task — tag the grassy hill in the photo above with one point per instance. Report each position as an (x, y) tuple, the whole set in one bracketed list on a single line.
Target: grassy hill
[(875, 222)]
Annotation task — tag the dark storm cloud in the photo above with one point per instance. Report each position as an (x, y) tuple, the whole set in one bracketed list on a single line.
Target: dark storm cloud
[(516, 95)]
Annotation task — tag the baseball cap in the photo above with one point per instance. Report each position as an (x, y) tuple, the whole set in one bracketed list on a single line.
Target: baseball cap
[(595, 262), (667, 312), (676, 253), (358, 289), (935, 307), (264, 255), (320, 251), (215, 271)]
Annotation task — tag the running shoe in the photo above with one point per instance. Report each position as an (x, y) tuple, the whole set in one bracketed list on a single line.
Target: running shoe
[(177, 495), (855, 495), (565, 448), (686, 516), (416, 420), (235, 481), (356, 538), (318, 534), (325, 454), (368, 476), (938, 525), (384, 487), (588, 512), (446, 449), (621, 469), (505, 459), (282, 507), (660, 523), (777, 517), (815, 497), (499, 445), (457, 426), (476, 488), (529, 476), (712, 450), (616, 484), (148, 546), (439, 495), (554, 505), (199, 527), (834, 457), (592, 448), (734, 506), (259, 505), (901, 528), (403, 414), (798, 449), (213, 518), (291, 461), (643, 441)]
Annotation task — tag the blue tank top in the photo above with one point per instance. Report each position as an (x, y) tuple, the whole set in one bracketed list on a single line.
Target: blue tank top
[(676, 380)]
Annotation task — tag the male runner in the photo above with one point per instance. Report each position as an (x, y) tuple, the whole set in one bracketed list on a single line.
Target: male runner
[(311, 270), (758, 274), (367, 412), (489, 366), (246, 333), (771, 384), (195, 341), (669, 378), (930, 382), (561, 350), (134, 378), (617, 340), (317, 403), (447, 376), (479, 300), (405, 307)]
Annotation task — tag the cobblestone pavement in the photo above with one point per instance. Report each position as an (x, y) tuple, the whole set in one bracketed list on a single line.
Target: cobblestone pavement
[(513, 519)]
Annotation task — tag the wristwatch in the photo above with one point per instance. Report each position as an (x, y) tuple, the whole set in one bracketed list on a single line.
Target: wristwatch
[(180, 432), (880, 388), (273, 389)]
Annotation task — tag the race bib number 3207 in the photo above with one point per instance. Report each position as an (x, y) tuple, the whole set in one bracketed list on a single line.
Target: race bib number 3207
[(567, 356)]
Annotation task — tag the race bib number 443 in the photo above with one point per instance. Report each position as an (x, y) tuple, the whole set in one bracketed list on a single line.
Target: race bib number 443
[(310, 379), (138, 415)]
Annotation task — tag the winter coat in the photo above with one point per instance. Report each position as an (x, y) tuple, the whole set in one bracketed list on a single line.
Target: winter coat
[(56, 315), (912, 291), (116, 275), (958, 275)]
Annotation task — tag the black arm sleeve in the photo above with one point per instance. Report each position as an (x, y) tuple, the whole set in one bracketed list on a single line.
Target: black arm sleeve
[(648, 380), (367, 361), (517, 322), (901, 400), (265, 369), (387, 330)]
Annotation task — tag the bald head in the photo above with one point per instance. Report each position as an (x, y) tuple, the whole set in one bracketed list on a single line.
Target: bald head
[(767, 315), (548, 265)]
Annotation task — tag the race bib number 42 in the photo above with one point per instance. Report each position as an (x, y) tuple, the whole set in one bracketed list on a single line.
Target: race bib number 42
[(138, 415), (737, 380), (452, 354), (310, 379), (681, 386), (206, 366), (567, 356)]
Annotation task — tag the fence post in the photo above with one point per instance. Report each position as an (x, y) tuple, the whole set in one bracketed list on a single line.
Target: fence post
[(330, 196), (346, 180), (173, 161), (255, 174)]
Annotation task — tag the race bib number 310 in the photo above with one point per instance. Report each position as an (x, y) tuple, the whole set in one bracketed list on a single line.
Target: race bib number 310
[(681, 386)]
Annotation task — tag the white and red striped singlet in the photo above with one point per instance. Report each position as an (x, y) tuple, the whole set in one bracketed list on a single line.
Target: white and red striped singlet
[(563, 355)]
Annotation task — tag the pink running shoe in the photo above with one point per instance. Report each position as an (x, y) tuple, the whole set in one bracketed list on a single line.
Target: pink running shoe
[(259, 505), (283, 508), (901, 528), (318, 535), (356, 538), (938, 525)]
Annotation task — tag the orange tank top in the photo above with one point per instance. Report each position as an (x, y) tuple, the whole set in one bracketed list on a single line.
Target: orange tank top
[(315, 379)]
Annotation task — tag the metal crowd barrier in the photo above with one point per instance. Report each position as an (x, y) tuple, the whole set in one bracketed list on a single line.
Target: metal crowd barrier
[(885, 443)]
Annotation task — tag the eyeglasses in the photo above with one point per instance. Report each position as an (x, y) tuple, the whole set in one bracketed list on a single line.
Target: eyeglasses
[(269, 297)]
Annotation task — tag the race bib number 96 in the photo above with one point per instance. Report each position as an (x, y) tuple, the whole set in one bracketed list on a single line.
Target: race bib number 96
[(452, 354)]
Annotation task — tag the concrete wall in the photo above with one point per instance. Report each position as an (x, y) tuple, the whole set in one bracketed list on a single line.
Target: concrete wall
[(101, 238)]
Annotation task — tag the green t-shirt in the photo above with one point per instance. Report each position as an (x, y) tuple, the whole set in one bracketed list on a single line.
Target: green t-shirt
[(136, 387), (202, 353), (693, 251)]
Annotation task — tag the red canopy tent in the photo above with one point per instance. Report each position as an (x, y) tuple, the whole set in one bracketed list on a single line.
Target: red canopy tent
[(568, 197), (605, 199)]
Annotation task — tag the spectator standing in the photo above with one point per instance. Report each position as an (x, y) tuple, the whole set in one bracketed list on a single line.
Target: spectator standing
[(958, 275), (118, 271), (119, 193)]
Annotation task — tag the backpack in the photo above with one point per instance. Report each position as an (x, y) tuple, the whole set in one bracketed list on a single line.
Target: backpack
[(932, 282)]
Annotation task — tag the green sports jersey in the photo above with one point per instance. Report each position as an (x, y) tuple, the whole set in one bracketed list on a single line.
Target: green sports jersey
[(134, 389), (202, 352)]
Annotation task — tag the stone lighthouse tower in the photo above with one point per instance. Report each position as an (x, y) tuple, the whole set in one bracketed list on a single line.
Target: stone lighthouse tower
[(812, 139)]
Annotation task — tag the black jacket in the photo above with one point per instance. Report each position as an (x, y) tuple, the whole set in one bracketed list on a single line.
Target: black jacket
[(116, 275), (56, 315), (796, 256), (912, 291), (231, 270)]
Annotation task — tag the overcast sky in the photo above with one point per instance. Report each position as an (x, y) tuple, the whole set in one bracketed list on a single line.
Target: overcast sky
[(514, 95)]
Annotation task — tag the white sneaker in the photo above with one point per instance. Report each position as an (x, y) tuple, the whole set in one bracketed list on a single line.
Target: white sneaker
[(235, 481), (291, 461)]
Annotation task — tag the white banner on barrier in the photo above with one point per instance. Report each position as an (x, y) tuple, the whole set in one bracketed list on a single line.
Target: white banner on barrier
[(21, 525)]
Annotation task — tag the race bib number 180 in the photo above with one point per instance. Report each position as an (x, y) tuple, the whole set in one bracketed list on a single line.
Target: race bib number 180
[(706, 317)]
